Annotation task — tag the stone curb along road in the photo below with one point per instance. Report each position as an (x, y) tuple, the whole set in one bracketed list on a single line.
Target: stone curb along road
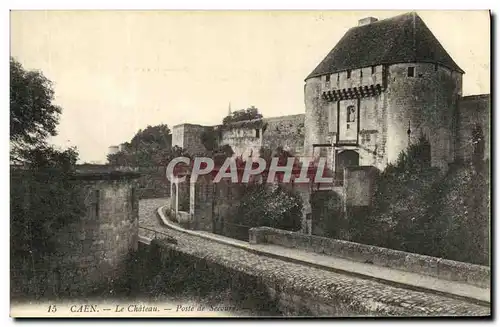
[(412, 302), (343, 266)]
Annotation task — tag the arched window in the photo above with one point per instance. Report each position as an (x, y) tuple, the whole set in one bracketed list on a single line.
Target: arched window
[(351, 114)]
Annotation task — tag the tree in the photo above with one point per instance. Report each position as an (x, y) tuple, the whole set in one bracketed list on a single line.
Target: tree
[(157, 136), (43, 198), (272, 206), (241, 115), (209, 138), (43, 157), (33, 115), (149, 147)]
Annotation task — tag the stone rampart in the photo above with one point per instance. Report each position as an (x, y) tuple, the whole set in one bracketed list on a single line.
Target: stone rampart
[(411, 262)]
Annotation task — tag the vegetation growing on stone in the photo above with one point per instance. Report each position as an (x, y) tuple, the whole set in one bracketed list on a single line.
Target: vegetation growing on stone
[(417, 209), (42, 198), (242, 115)]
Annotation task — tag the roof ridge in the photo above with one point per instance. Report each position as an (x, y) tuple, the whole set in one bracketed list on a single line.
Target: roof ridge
[(398, 39)]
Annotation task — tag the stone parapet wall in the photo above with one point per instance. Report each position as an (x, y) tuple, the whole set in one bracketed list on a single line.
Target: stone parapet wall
[(297, 290), (411, 262), (90, 251), (286, 132), (473, 110)]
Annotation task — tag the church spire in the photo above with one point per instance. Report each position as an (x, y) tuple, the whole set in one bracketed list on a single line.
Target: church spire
[(229, 109)]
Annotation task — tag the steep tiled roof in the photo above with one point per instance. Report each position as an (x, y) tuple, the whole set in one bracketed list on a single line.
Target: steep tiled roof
[(403, 38)]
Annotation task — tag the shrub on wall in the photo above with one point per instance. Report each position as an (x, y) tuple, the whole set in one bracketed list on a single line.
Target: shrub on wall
[(269, 205), (460, 215), (416, 209)]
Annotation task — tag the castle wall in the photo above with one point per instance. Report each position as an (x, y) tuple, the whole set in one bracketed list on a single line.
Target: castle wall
[(201, 203), (188, 137), (285, 131), (427, 103), (243, 140), (178, 135), (373, 131), (357, 77), (359, 183), (371, 119), (91, 252), (475, 109), (316, 117), (97, 247)]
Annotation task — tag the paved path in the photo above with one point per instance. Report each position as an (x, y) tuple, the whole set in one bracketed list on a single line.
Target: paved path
[(409, 301)]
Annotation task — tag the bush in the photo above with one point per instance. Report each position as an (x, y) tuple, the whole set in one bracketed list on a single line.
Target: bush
[(270, 205), (416, 209), (460, 215), (41, 202)]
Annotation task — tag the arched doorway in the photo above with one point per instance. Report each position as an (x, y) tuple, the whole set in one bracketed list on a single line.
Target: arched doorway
[(344, 158)]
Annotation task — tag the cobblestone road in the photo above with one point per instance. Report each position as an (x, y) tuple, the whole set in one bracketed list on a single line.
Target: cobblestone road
[(320, 284)]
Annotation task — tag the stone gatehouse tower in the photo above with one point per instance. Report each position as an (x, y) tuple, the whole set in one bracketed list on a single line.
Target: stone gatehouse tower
[(383, 85)]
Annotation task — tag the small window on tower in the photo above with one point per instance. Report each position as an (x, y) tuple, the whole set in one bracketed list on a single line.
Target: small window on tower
[(348, 74), (338, 77), (257, 132), (411, 71), (374, 69), (361, 73), (328, 78)]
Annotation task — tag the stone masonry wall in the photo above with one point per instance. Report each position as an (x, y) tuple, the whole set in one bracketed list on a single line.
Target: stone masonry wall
[(428, 104), (188, 137), (292, 288), (474, 109), (411, 262), (245, 141), (94, 250), (178, 135), (359, 183), (316, 117), (201, 204), (285, 131)]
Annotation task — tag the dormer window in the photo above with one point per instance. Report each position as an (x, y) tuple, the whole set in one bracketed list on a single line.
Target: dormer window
[(411, 71), (348, 74)]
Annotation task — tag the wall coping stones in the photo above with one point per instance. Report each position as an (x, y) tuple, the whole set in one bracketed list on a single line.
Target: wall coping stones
[(314, 286), (411, 262), (112, 175), (333, 263)]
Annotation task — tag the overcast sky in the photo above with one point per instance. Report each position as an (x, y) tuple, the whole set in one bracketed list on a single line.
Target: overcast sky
[(115, 72)]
